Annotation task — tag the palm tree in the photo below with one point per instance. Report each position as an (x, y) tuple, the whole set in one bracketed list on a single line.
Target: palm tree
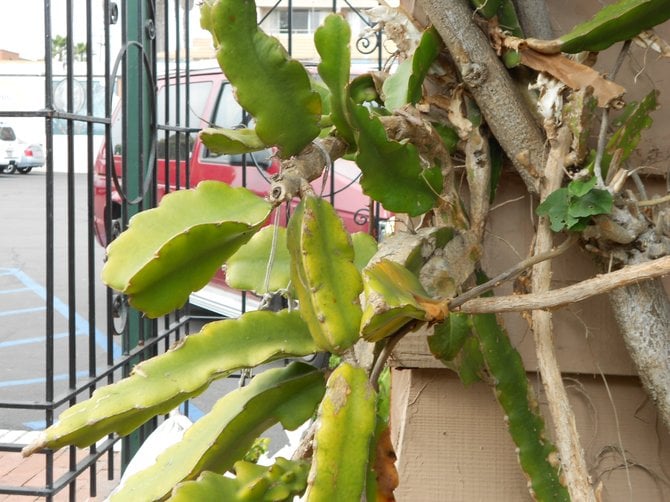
[(80, 51), (58, 46)]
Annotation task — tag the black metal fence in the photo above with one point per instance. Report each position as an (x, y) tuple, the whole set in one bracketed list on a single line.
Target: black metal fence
[(118, 104)]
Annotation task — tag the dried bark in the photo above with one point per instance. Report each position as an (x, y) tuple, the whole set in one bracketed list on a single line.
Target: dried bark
[(491, 86), (642, 312), (605, 283), (533, 17), (573, 461)]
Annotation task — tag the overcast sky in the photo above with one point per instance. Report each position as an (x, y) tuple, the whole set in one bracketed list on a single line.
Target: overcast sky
[(22, 25)]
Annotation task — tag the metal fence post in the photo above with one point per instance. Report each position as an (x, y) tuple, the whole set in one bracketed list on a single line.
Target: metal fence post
[(139, 129)]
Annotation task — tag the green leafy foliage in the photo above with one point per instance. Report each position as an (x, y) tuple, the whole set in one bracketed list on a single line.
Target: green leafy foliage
[(486, 8), (571, 207), (346, 423), (175, 249), (614, 23), (508, 19), (215, 442), (231, 141), (365, 246), (362, 89), (426, 52), (497, 158), (160, 384), (271, 86), (394, 297), (396, 86), (449, 336), (393, 173), (332, 42), (326, 281), (208, 487), (247, 268), (454, 345), (630, 125), (471, 366), (405, 85), (525, 424), (279, 482), (259, 448), (509, 23), (449, 136)]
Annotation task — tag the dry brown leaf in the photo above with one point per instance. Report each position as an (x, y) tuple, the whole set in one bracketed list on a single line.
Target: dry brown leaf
[(650, 40), (385, 470), (453, 105), (574, 75)]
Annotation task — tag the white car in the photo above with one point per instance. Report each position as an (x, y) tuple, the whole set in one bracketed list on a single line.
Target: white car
[(17, 155)]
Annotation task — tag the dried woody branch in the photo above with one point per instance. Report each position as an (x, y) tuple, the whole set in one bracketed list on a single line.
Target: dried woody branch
[(598, 285), (491, 86), (573, 461), (513, 126)]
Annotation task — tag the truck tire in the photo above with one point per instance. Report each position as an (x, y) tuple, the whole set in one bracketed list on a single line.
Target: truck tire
[(24, 170), (10, 169)]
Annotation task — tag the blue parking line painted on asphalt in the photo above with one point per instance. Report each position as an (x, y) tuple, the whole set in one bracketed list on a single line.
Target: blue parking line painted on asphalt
[(6, 313), (36, 425), (194, 413), (12, 291), (35, 339), (82, 327), (81, 324), (32, 381)]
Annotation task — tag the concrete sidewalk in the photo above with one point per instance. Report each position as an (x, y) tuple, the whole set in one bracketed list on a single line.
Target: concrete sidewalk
[(15, 471)]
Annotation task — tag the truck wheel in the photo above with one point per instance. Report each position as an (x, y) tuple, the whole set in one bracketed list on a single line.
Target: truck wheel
[(119, 300), (24, 170), (119, 313), (10, 169)]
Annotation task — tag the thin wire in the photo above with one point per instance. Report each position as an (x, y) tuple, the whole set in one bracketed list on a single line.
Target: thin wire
[(604, 122), (267, 296), (329, 165)]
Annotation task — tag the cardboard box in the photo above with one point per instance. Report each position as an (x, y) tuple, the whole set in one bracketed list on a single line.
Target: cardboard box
[(451, 441)]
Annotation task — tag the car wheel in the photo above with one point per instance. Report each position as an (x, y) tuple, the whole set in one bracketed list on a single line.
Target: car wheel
[(10, 169), (24, 170)]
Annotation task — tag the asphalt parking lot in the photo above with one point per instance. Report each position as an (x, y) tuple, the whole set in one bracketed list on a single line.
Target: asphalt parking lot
[(23, 316), (23, 293)]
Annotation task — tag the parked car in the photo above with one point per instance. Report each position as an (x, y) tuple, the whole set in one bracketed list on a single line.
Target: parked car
[(211, 102), (17, 155)]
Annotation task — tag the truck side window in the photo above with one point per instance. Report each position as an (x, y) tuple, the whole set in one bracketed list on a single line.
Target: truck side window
[(191, 115), (230, 115)]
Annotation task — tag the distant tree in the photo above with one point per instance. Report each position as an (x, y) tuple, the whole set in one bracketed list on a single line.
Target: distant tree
[(80, 51), (58, 46)]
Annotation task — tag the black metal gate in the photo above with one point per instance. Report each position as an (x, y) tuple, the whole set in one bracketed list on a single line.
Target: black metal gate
[(96, 85)]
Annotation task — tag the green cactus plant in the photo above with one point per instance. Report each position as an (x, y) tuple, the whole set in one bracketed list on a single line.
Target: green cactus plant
[(351, 293)]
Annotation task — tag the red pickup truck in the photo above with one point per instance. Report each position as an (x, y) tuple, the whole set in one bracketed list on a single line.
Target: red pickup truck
[(212, 103)]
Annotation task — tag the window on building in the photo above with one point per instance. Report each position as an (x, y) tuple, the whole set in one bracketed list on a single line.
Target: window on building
[(302, 20)]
